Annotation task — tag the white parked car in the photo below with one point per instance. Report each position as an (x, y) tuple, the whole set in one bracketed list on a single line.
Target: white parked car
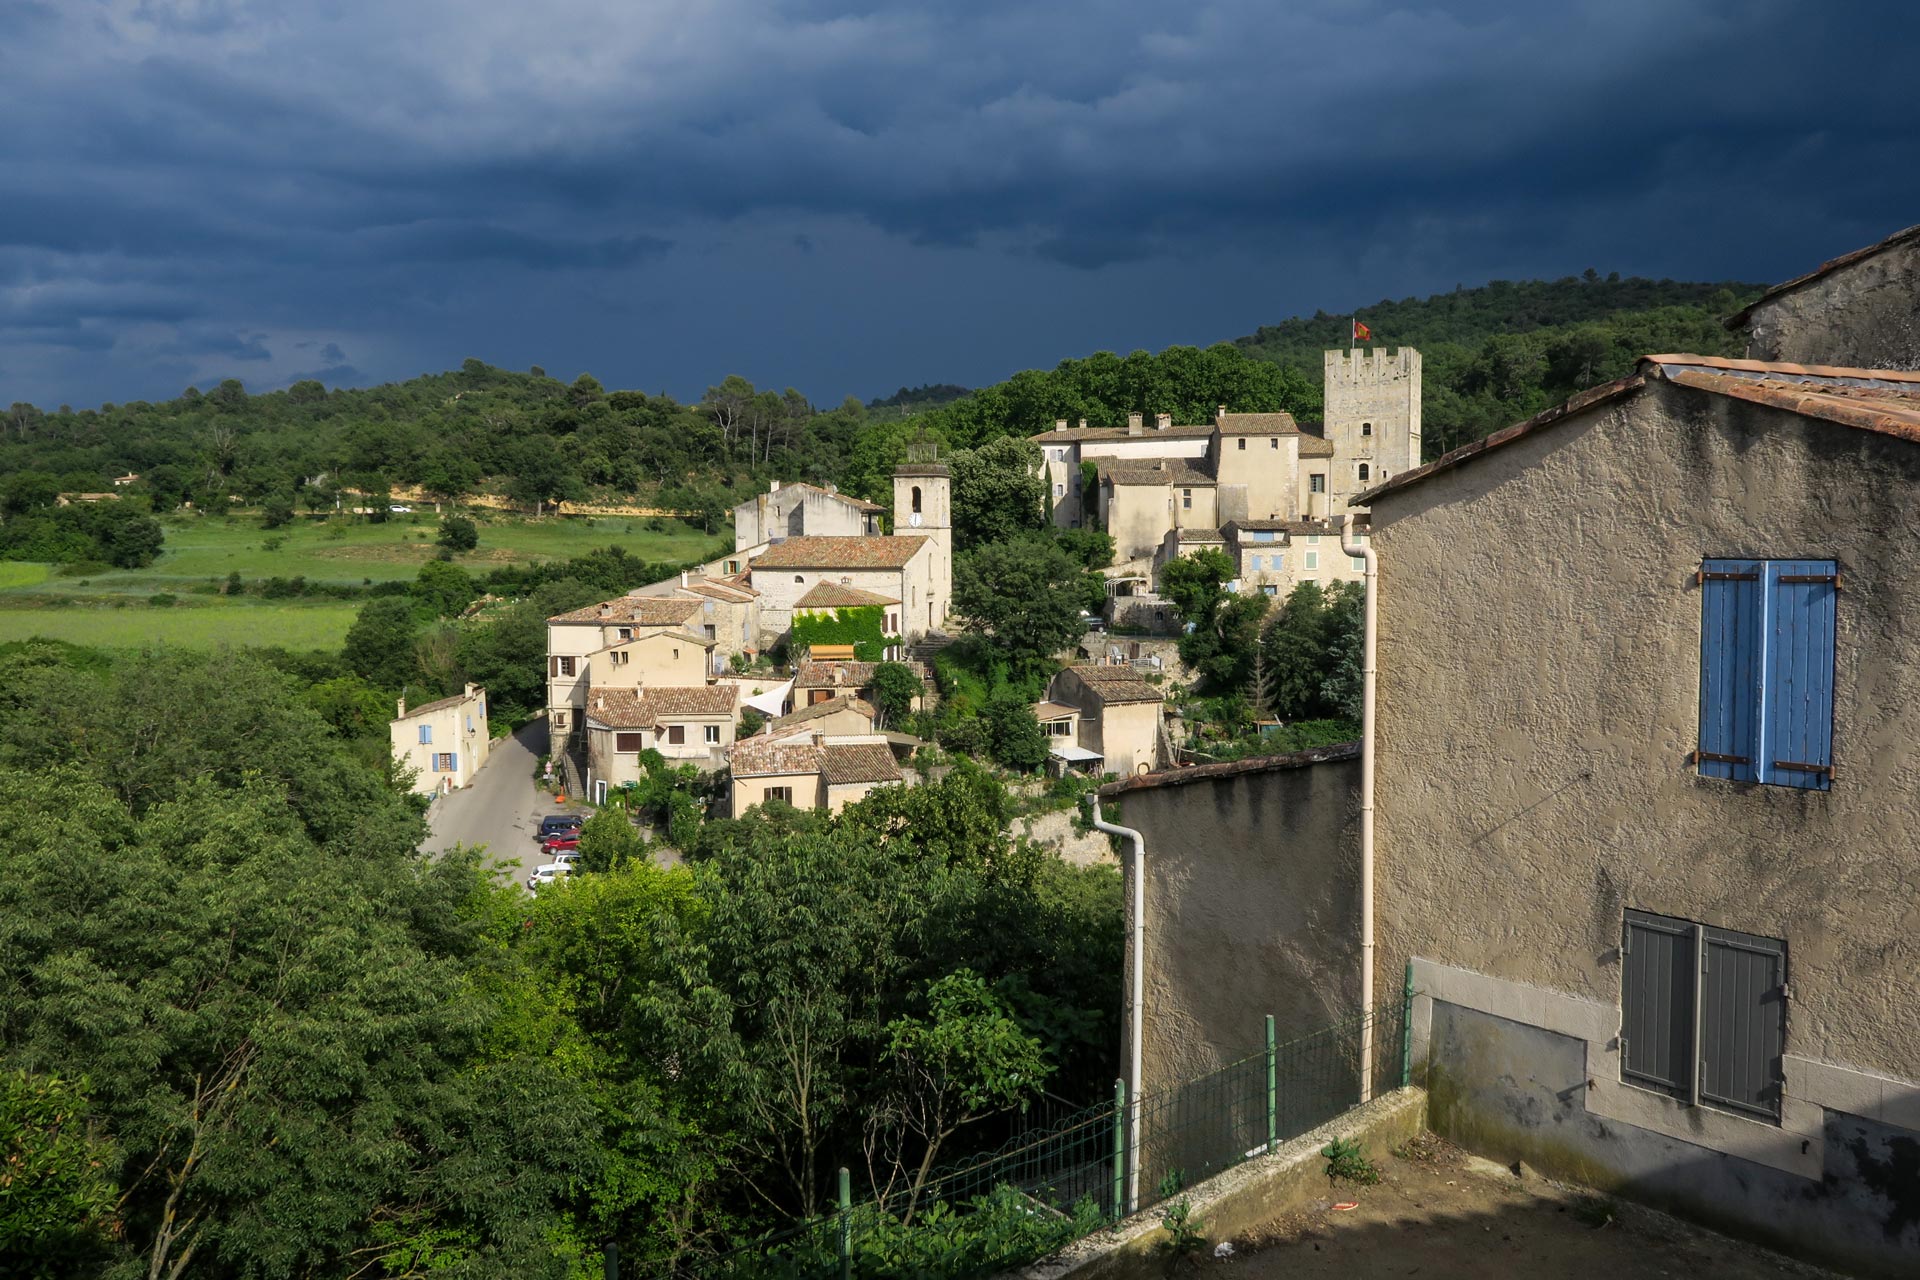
[(400, 509), (547, 872)]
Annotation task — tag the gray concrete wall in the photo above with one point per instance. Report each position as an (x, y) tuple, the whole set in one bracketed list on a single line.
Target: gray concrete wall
[(1862, 315), (1252, 903), (1539, 696), (1514, 1091)]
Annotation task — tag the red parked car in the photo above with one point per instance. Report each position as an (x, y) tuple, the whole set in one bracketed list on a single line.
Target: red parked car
[(561, 843)]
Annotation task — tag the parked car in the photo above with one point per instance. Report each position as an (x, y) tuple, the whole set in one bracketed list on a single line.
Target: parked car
[(559, 840), (547, 872), (400, 509), (554, 823)]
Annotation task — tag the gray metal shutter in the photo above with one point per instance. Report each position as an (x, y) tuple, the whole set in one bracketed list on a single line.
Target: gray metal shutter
[(1656, 1002), (1744, 1022)]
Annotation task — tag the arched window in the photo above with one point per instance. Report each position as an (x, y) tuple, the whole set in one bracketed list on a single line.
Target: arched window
[(916, 497), (1366, 428), (1363, 471)]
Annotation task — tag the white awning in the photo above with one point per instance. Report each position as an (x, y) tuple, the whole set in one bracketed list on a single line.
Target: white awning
[(1074, 755), (773, 702)]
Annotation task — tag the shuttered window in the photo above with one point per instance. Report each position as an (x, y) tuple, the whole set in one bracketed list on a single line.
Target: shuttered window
[(1731, 1055), (628, 743), (1767, 630)]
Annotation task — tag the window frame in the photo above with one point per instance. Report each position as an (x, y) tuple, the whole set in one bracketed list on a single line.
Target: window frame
[(426, 735), (1316, 482), (713, 734), (1769, 656), (782, 794), (676, 735), (629, 742)]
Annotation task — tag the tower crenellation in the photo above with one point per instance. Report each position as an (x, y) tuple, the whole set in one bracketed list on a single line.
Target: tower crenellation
[(1372, 407)]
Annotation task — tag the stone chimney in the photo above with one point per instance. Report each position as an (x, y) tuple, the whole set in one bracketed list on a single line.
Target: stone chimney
[(1161, 421), (1059, 424), (832, 487), (401, 711), (606, 610), (600, 701), (1220, 414), (683, 577), (1133, 424), (1083, 424), (774, 487), (472, 688)]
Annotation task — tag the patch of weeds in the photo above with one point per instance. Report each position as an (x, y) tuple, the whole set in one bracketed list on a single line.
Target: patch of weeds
[(1185, 1236), (1171, 1184), (1346, 1162)]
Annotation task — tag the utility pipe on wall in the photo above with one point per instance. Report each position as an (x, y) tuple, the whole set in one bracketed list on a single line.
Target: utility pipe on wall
[(1137, 1015), (1367, 672)]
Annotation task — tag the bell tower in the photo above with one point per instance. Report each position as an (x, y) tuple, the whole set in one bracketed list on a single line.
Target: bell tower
[(923, 507)]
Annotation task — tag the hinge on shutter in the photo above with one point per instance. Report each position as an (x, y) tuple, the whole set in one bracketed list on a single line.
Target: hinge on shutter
[(1701, 576), (1834, 578), (1716, 757), (1804, 768)]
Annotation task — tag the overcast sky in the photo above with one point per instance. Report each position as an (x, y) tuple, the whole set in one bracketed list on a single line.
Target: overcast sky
[(846, 197)]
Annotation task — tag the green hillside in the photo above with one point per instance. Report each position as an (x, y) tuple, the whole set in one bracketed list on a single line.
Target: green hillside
[(1503, 351)]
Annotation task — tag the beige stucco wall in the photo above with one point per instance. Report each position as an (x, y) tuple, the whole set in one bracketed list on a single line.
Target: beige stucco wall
[(1265, 473), (1137, 517), (913, 585), (451, 733), (696, 750), (839, 797), (748, 792), (614, 767), (840, 723), (1128, 734), (1252, 889), (666, 658), (791, 512), (1539, 695), (1864, 315)]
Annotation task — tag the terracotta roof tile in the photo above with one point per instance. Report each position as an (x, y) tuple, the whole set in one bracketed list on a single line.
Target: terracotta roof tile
[(852, 675), (1152, 471), (439, 705), (1739, 318), (1232, 769), (1075, 434), (720, 589), (1053, 710), (1200, 535), (837, 595), (1315, 446), (765, 754), (864, 552), (1117, 684), (644, 708), (639, 611), (1258, 424), (846, 702), (847, 763)]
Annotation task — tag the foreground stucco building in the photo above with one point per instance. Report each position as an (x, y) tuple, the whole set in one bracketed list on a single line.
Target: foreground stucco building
[(1648, 803), (1862, 308)]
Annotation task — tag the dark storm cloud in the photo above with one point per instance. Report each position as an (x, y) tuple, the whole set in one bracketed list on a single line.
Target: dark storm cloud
[(196, 182)]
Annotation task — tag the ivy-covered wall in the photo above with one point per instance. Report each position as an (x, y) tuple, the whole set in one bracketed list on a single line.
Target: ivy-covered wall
[(862, 626)]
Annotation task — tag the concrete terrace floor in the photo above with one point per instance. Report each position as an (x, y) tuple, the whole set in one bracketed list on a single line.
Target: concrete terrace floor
[(1439, 1214)]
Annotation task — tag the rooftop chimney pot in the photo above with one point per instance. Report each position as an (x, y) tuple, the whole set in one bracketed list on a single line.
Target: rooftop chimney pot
[(1133, 424), (1220, 413), (1161, 421), (1083, 424), (1059, 424)]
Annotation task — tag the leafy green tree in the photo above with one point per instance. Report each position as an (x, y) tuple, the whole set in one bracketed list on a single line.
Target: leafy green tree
[(999, 492), (965, 1059), (1013, 734), (458, 533), (379, 644), (1024, 598), (445, 589), (894, 689), (57, 1195), (1312, 646), (128, 539), (1222, 628), (276, 511), (608, 841), (25, 491)]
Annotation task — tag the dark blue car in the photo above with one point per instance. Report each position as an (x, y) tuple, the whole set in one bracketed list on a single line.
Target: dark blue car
[(554, 823)]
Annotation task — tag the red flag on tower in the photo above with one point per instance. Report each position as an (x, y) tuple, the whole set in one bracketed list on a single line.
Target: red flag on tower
[(1361, 333)]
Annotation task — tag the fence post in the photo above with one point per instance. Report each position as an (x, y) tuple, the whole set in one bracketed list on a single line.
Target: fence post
[(846, 1224), (1119, 1149), (1273, 1086), (1406, 1031), (610, 1261)]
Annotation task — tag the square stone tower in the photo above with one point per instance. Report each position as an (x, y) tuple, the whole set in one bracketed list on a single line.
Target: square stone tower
[(1372, 418), (923, 507)]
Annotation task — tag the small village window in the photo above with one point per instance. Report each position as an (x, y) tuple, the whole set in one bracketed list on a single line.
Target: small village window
[(1059, 490), (1242, 442), (620, 657), (1366, 428), (1703, 1013), (426, 734), (713, 733), (559, 719), (626, 633), (783, 794), (1767, 645), (444, 763), (1312, 561), (800, 577), (1186, 499), (628, 744), (563, 666), (1317, 482), (916, 497), (1270, 590), (1273, 442), (733, 566), (676, 735), (1363, 471), (1060, 728)]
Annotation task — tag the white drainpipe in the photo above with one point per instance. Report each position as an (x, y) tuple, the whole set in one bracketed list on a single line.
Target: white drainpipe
[(1368, 671), (1137, 1015)]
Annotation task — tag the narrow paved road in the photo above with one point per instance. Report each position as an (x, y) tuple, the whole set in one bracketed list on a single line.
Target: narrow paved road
[(501, 807)]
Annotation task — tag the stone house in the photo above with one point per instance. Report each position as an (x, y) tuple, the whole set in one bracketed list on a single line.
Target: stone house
[(688, 725), (574, 637), (729, 610), (1117, 719), (1647, 794), (809, 768), (444, 742), (840, 716), (1862, 308), (794, 510), (1275, 556)]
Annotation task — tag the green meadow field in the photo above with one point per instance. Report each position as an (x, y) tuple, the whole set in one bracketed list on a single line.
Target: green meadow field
[(109, 608)]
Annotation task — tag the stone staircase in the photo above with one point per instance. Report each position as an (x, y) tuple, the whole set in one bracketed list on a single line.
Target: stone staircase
[(924, 649)]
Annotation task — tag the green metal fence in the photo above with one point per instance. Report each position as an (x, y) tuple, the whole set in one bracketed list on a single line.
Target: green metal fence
[(1052, 1184)]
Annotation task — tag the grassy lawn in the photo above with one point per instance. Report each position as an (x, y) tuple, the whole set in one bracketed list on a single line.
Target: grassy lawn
[(199, 548), (320, 625)]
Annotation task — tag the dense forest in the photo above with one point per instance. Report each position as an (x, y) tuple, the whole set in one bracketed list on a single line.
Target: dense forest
[(1493, 355)]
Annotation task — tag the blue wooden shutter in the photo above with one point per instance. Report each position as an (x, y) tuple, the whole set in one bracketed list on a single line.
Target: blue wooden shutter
[(1656, 1002), (1743, 1021), (1731, 603), (1797, 737), (426, 734)]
